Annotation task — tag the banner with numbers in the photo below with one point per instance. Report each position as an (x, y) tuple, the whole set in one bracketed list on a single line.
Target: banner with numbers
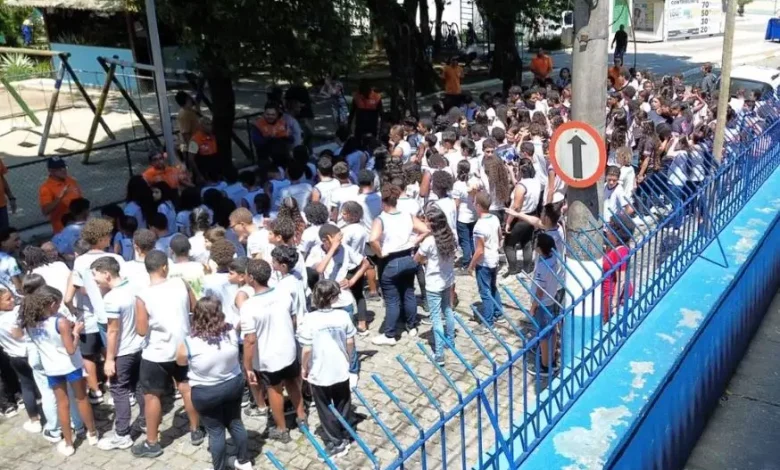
[(689, 18)]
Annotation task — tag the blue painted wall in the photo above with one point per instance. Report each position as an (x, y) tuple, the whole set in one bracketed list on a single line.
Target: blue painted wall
[(83, 59)]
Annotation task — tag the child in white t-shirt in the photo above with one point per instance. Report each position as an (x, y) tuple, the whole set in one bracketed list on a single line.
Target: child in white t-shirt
[(316, 215), (356, 237), (484, 263), (328, 341)]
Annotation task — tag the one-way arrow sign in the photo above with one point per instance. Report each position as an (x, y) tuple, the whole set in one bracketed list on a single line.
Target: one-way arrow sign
[(578, 154)]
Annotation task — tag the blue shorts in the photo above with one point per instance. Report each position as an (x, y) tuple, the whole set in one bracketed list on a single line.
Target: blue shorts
[(64, 379)]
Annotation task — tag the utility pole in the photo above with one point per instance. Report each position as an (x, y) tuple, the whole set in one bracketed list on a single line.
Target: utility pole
[(590, 52), (724, 95), (159, 80)]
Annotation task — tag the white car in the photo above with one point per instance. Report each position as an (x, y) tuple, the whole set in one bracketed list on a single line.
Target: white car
[(753, 77)]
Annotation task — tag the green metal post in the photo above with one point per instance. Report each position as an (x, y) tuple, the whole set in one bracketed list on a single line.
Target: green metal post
[(18, 98)]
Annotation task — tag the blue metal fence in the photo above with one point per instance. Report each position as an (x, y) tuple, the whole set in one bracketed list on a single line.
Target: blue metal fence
[(507, 409)]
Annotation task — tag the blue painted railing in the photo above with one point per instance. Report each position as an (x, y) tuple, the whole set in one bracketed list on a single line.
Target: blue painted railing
[(674, 228)]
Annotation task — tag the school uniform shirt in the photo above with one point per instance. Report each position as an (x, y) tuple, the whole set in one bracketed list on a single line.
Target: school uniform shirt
[(487, 228), (236, 192), (372, 207), (325, 188), (198, 251), (126, 249), (533, 194), (678, 168), (257, 242), (326, 332), (309, 238), (342, 194), (212, 361), (94, 309), (628, 181), (467, 213), (397, 232), (192, 272), (269, 316), (406, 150), (296, 289), (355, 236), (134, 210), (540, 164), (439, 273), (614, 201), (354, 161), (344, 260), (168, 306), (408, 205), (9, 268), (167, 209), (119, 304), (217, 285), (221, 186), (301, 192), (135, 272), (453, 158), (65, 240), (8, 342), (249, 199), (447, 205), (544, 278), (164, 244), (56, 361)]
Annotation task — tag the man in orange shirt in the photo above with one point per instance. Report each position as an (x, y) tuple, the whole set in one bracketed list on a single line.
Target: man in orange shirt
[(159, 171), (452, 75), (6, 198), (57, 192), (541, 67), (616, 73)]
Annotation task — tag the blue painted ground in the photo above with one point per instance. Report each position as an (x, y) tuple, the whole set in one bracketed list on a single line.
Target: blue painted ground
[(592, 428)]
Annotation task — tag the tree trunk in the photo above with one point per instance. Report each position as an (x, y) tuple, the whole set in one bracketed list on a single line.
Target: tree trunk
[(437, 32), (506, 61), (223, 109), (425, 26)]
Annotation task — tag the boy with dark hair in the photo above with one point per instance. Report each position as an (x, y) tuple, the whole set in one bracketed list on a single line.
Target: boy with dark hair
[(327, 183), (346, 191), (317, 215), (158, 224), (270, 350), (217, 284), (484, 262), (79, 213), (544, 305), (284, 260)]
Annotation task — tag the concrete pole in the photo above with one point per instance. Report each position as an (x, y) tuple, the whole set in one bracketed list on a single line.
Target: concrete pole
[(590, 52), (724, 95), (159, 80)]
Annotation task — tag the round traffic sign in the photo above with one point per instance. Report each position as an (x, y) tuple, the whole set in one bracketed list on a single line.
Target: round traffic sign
[(578, 154)]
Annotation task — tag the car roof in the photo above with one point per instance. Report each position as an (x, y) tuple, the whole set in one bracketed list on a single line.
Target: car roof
[(757, 73)]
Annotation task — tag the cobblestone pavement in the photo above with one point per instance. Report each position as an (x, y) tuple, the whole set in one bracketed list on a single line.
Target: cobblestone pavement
[(20, 450)]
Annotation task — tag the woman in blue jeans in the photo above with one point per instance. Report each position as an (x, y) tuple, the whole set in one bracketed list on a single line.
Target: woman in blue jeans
[(437, 253), (211, 351), (393, 237)]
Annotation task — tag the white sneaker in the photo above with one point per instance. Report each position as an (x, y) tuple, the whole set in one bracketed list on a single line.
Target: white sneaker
[(413, 332), (32, 426), (353, 380), (93, 439), (382, 340), (64, 449), (243, 466), (115, 442)]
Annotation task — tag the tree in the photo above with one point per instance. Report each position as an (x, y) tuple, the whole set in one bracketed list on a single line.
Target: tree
[(293, 40)]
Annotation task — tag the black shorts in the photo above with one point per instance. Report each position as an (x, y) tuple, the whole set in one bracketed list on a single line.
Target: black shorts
[(91, 345), (272, 379), (155, 377)]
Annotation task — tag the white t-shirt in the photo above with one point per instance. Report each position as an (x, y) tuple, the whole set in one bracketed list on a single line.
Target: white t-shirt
[(342, 194), (544, 278), (296, 289), (9, 268), (326, 332), (212, 362), (168, 306), (325, 189), (309, 238), (397, 232), (135, 272), (628, 180), (406, 150), (82, 277), (120, 305), (198, 250), (487, 228), (467, 213), (217, 284), (447, 205), (192, 272), (257, 242), (372, 207), (11, 345), (409, 206), (453, 158), (614, 201), (344, 260), (55, 275), (355, 236), (301, 192), (164, 244), (269, 316), (439, 273)]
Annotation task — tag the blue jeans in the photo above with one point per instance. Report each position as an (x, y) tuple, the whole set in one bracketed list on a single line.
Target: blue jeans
[(678, 195), (488, 292), (219, 407), (466, 241), (354, 364), (438, 303), (397, 283)]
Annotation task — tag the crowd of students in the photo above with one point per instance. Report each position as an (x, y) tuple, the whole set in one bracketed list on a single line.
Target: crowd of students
[(236, 289)]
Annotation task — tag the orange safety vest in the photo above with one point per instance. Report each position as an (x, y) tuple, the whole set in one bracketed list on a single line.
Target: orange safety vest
[(207, 146), (367, 104), (277, 130)]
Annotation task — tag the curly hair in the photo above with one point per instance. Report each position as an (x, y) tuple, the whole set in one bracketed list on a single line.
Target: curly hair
[(222, 252), (36, 307), (283, 227), (441, 183), (208, 321), (289, 208), (441, 232), (285, 255), (498, 177), (95, 230), (352, 211), (34, 257), (316, 213)]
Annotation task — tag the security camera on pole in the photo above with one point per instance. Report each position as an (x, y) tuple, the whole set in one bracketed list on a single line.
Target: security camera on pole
[(581, 157)]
